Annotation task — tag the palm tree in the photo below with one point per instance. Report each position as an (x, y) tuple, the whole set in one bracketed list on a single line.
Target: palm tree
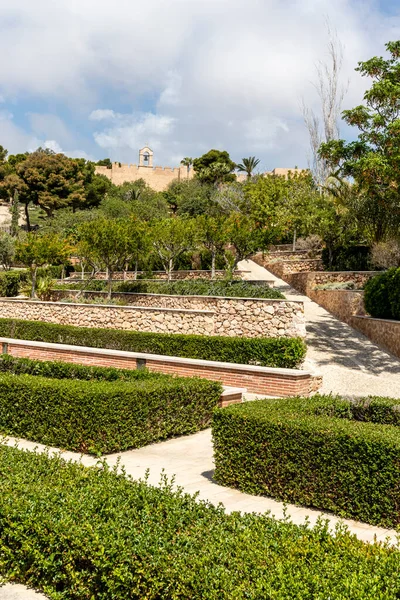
[(248, 165), (187, 162)]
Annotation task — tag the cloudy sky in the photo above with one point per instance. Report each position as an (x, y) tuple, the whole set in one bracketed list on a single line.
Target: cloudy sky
[(101, 78)]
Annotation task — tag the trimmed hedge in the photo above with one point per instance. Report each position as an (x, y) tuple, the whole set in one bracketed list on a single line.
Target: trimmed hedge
[(197, 287), (100, 416), (382, 295), (88, 533), (323, 452), (65, 370), (10, 282), (270, 352)]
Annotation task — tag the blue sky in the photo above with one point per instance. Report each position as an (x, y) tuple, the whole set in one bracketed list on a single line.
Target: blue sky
[(96, 78)]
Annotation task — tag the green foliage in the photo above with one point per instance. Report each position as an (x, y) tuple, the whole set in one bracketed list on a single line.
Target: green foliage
[(235, 288), (10, 282), (7, 250), (65, 370), (270, 352), (37, 250), (322, 451), (347, 258), (14, 214), (91, 533), (214, 167), (372, 160), (381, 295), (98, 417), (189, 197), (171, 238), (248, 165)]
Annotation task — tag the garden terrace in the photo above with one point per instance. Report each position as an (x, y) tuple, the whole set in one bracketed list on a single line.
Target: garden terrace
[(250, 378), (82, 409), (325, 452), (269, 352), (76, 538), (200, 287), (249, 317)]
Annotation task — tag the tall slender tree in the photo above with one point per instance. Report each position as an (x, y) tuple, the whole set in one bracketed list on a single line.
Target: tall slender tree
[(248, 165), (187, 162)]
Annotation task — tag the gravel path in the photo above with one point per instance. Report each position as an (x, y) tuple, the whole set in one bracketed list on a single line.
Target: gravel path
[(349, 362)]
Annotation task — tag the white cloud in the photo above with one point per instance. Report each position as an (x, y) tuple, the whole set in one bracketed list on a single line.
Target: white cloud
[(102, 114), (216, 73)]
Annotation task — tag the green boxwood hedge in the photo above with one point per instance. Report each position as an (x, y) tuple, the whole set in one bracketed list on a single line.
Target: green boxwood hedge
[(80, 534), (65, 370), (270, 352), (324, 452), (104, 416)]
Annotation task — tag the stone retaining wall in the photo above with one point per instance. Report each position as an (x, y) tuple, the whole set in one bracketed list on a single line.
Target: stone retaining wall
[(383, 332), (343, 304), (176, 275), (283, 268), (170, 314), (306, 282), (257, 380)]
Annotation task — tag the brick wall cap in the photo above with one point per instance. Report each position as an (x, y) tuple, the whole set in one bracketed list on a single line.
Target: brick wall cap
[(161, 358)]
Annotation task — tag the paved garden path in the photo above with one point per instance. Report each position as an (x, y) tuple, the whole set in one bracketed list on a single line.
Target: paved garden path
[(349, 362)]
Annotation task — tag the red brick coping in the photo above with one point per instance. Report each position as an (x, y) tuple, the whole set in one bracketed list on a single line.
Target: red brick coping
[(255, 379)]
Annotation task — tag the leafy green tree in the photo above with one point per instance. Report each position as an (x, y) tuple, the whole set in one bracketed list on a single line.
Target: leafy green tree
[(107, 243), (189, 197), (104, 162), (213, 236), (135, 199), (372, 161), (37, 250), (297, 202), (215, 167), (171, 238), (248, 165), (264, 196), (246, 237), (7, 250), (53, 180)]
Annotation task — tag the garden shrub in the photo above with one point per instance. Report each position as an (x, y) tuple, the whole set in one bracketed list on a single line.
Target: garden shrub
[(104, 416), (10, 282), (271, 352), (380, 293), (65, 370), (323, 452), (347, 258), (90, 533)]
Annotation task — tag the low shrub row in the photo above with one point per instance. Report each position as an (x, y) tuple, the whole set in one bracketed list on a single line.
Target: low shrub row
[(324, 452), (64, 370), (271, 352), (382, 295), (99, 417), (197, 287), (79, 533)]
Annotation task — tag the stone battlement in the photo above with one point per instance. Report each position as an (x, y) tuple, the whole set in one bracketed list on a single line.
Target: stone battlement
[(158, 178)]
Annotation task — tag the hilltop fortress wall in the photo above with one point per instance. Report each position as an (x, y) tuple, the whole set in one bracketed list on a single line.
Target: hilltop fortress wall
[(158, 178)]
